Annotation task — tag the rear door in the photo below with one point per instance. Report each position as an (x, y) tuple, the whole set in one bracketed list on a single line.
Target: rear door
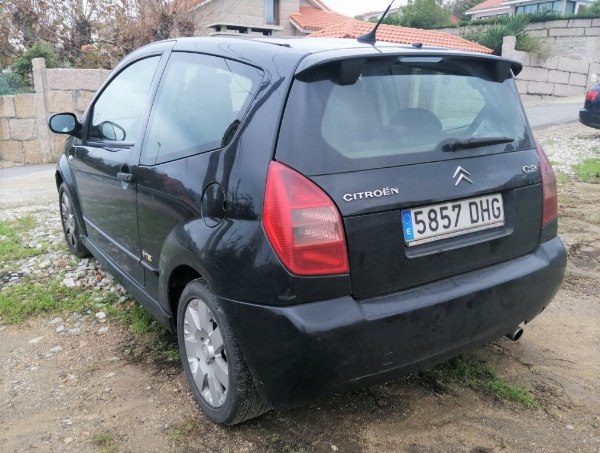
[(430, 161)]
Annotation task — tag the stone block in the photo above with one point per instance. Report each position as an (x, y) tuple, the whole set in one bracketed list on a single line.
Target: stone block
[(540, 88), (32, 153), (57, 143), (571, 65), (83, 100), (558, 76), (543, 33), (566, 32), (60, 101), (537, 26), (556, 24), (4, 130), (578, 79), (595, 22), (594, 31), (530, 98), (548, 63), (568, 90), (25, 105), (535, 74), (7, 107), (75, 79), (11, 151), (22, 129), (522, 86), (580, 23)]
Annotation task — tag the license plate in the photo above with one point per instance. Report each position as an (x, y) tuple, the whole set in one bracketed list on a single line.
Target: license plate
[(446, 220)]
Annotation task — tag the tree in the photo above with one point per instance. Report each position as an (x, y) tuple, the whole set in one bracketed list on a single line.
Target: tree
[(392, 19), (421, 14), (459, 7), (90, 33)]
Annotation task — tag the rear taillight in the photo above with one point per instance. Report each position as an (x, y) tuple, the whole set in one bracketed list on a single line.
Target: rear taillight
[(550, 206), (303, 225), (591, 95)]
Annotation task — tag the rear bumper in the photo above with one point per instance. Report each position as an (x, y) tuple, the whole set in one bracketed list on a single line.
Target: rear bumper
[(300, 352), (589, 118)]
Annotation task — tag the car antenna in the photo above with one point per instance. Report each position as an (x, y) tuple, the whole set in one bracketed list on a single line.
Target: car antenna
[(371, 37)]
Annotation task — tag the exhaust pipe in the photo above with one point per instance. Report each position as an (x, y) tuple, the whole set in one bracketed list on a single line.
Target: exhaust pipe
[(515, 334)]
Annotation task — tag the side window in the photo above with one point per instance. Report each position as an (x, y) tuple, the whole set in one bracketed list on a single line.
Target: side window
[(200, 102), (117, 113)]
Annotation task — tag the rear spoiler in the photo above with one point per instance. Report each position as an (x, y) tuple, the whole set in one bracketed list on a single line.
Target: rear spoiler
[(349, 63)]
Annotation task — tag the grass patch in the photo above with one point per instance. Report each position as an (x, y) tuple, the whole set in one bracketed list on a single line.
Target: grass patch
[(502, 390), (588, 171), (106, 441), (182, 433), (562, 178), (468, 370), (29, 299), (11, 233), (155, 342)]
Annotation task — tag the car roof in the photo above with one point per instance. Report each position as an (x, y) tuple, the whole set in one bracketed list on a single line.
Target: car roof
[(259, 51)]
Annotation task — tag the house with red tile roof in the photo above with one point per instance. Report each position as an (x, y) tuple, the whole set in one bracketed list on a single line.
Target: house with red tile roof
[(492, 8), (306, 17), (259, 17)]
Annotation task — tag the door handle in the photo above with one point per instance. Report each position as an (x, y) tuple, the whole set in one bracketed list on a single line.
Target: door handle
[(125, 177)]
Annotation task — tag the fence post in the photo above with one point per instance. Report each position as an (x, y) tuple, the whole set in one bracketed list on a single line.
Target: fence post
[(40, 85)]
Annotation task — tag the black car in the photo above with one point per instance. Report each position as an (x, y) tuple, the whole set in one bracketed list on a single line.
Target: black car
[(312, 215), (590, 113)]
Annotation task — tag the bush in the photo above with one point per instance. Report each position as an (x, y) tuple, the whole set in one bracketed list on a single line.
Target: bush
[(593, 9), (11, 83), (22, 64), (492, 36)]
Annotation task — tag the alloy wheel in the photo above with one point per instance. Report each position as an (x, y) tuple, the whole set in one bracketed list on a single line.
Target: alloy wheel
[(68, 220), (205, 353)]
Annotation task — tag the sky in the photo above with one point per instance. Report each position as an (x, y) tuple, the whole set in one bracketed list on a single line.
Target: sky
[(354, 7)]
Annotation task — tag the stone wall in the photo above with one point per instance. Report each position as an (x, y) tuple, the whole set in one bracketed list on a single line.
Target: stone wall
[(573, 64), (24, 134)]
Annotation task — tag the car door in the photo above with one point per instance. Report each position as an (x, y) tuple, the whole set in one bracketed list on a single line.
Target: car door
[(106, 164), (199, 105)]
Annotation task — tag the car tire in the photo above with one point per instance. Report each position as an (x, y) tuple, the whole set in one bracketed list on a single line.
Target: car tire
[(212, 360), (68, 219)]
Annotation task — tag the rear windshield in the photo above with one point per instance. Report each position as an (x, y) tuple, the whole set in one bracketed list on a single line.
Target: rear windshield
[(399, 112)]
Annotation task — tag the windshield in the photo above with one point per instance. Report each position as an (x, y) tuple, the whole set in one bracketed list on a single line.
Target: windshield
[(399, 113)]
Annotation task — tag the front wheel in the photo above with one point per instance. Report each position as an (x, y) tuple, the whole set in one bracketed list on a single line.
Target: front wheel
[(213, 363), (69, 223)]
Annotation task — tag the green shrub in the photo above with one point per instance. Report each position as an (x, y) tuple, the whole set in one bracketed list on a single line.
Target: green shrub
[(22, 64), (492, 35)]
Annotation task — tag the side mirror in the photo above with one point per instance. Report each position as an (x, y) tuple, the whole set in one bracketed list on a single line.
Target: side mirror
[(112, 131), (64, 123)]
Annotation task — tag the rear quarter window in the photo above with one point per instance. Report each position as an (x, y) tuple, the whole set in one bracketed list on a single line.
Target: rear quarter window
[(200, 102)]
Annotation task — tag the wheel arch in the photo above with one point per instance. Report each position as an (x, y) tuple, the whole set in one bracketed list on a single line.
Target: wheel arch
[(64, 175), (176, 283)]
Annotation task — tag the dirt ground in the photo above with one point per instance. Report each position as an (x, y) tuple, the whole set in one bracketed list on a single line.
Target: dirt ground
[(100, 391)]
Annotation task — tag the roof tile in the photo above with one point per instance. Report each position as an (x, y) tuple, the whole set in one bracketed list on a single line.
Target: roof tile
[(316, 19), (352, 28), (487, 4)]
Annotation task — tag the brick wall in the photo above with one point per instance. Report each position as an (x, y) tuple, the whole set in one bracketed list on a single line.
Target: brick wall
[(24, 134)]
